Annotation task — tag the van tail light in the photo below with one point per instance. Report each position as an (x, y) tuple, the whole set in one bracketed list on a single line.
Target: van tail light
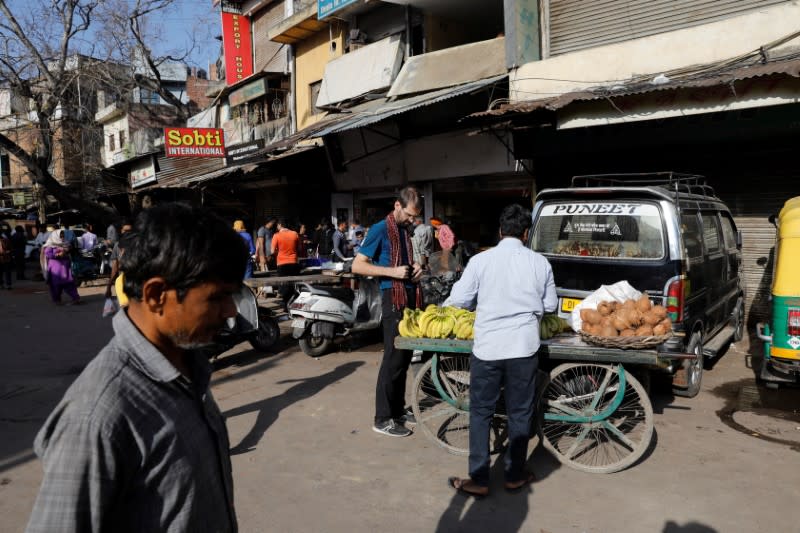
[(675, 301), (793, 323)]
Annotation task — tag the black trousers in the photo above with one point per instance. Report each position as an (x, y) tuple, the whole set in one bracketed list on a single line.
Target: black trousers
[(19, 259), (517, 379), (287, 289), (391, 387)]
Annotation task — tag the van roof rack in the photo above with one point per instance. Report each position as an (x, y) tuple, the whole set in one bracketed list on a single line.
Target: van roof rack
[(672, 181)]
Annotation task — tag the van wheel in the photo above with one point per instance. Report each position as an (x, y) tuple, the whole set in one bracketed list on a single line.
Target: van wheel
[(738, 320), (689, 377)]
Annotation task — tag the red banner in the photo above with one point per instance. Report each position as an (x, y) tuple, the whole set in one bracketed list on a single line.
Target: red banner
[(194, 142), (237, 45)]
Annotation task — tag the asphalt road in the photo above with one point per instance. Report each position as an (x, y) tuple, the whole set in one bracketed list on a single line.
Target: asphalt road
[(305, 458)]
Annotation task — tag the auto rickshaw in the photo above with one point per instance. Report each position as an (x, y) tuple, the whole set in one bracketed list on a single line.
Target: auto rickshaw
[(781, 335)]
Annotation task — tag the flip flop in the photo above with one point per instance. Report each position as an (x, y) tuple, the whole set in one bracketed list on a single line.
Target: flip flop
[(459, 485), (530, 477)]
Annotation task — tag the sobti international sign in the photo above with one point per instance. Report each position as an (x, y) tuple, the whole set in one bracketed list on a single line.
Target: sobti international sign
[(194, 142)]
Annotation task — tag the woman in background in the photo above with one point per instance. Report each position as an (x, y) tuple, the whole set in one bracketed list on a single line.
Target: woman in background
[(238, 227)]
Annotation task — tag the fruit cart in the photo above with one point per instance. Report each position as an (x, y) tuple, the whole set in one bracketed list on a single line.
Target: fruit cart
[(592, 413)]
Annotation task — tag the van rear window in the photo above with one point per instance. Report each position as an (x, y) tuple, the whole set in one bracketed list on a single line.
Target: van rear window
[(622, 230)]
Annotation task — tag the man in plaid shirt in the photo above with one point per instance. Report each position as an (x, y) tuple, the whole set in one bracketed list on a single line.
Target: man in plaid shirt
[(138, 443)]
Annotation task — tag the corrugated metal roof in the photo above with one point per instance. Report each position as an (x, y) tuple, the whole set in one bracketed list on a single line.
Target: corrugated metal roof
[(173, 171), (390, 108), (451, 67), (709, 77)]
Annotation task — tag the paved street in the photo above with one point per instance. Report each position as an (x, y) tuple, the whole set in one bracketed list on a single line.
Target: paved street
[(306, 460)]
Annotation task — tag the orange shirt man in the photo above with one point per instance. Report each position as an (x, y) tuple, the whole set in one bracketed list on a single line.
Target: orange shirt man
[(285, 247)]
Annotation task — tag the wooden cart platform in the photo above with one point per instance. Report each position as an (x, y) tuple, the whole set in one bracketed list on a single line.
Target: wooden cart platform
[(564, 347)]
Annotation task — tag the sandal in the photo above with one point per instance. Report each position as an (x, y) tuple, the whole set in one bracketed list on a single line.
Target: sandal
[(530, 477), (460, 485)]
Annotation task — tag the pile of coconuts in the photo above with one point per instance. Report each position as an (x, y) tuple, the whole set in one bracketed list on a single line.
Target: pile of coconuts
[(631, 318)]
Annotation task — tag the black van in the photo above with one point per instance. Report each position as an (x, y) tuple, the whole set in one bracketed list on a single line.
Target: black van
[(668, 235)]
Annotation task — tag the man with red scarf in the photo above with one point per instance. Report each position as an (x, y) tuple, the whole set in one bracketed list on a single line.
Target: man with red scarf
[(387, 254)]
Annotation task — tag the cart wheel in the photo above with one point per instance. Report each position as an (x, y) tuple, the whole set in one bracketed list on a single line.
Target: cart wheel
[(600, 446), (443, 412)]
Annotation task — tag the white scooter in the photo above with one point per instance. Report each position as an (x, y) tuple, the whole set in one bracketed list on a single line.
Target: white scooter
[(321, 313)]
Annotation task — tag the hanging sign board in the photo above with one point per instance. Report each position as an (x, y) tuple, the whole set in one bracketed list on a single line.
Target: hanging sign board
[(247, 92), (327, 7), (194, 142), (237, 47), (241, 152), (142, 172)]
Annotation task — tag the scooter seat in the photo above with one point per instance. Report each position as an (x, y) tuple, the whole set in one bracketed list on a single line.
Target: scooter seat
[(340, 293)]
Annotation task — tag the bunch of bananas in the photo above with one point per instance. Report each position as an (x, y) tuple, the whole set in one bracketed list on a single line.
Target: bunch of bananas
[(552, 325), (437, 322)]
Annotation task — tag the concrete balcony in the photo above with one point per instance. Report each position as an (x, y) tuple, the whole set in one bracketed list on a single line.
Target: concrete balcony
[(109, 113)]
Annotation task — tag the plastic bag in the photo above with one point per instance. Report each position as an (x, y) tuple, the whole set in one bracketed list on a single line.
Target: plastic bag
[(618, 292), (109, 308)]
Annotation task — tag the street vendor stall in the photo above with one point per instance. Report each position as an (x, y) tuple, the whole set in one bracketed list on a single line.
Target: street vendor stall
[(592, 413)]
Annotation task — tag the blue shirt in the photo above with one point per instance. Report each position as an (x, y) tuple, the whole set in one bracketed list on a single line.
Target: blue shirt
[(376, 246), (513, 287), (248, 241)]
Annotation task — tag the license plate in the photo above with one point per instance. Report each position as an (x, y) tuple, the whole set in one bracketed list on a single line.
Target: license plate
[(568, 304), (299, 323)]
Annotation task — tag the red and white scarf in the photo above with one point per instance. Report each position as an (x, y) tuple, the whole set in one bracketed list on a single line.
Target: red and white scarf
[(399, 298)]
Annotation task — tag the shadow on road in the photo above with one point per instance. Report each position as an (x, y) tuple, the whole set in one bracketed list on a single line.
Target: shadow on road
[(269, 408), (482, 515), (690, 527)]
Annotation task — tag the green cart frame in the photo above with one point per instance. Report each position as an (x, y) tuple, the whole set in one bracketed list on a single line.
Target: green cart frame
[(591, 413)]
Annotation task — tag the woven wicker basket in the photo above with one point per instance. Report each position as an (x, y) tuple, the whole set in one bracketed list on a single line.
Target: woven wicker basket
[(625, 343)]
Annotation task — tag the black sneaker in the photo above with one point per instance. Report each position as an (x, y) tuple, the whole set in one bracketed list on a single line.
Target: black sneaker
[(408, 418), (392, 429)]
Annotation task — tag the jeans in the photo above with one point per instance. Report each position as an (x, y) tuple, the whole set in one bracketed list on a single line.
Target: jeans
[(391, 387), (517, 379)]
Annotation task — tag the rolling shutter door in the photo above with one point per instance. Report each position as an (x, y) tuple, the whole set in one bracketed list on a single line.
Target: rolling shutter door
[(580, 24), (270, 56), (751, 207)]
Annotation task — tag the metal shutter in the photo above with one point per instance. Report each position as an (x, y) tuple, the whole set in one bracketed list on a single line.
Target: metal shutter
[(270, 56), (581, 24), (751, 206)]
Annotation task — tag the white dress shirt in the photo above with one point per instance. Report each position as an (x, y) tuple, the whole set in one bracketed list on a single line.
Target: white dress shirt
[(513, 287)]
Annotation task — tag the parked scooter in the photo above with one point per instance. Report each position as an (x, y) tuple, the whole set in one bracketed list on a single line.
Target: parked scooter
[(84, 265), (321, 313), (254, 324)]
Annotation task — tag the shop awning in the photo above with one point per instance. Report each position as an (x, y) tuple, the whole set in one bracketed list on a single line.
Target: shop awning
[(713, 89), (451, 67), (366, 70), (388, 108)]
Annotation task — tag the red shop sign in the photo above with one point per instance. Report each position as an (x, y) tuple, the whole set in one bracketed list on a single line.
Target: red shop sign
[(237, 47)]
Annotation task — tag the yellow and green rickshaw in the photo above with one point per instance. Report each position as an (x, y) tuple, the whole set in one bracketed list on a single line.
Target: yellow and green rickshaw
[(781, 335)]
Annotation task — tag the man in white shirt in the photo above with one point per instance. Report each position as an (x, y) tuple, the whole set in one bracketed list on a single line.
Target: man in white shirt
[(513, 287), (88, 240), (422, 240)]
